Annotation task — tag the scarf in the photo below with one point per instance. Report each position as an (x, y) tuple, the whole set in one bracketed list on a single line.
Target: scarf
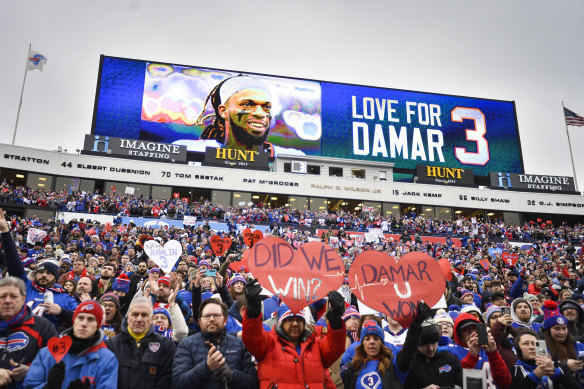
[(42, 290), (137, 337), (78, 345), (529, 366), (72, 276), (14, 320)]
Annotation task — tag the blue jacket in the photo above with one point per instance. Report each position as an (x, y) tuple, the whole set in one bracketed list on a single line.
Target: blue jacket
[(33, 296), (190, 368), (98, 364)]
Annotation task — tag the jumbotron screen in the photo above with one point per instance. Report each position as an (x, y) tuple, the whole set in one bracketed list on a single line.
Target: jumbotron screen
[(175, 104)]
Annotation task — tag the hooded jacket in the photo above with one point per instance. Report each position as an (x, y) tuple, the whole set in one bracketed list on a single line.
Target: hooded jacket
[(279, 364), (96, 363), (518, 323), (576, 329), (499, 370)]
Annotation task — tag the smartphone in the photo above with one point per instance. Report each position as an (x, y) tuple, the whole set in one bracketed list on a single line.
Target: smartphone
[(210, 273), (482, 333), (505, 310), (236, 258), (541, 348), (48, 297)]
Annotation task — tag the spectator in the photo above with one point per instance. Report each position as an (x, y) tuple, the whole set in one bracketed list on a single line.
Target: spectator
[(88, 358), (213, 358), (145, 356), (21, 333), (278, 352)]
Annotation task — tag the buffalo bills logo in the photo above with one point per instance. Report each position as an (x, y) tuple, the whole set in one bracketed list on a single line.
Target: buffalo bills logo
[(444, 369), (560, 320), (87, 307), (16, 341)]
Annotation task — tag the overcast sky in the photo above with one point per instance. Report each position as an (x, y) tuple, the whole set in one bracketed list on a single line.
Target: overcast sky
[(528, 51)]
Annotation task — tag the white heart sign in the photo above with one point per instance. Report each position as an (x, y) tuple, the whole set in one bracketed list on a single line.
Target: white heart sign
[(164, 256)]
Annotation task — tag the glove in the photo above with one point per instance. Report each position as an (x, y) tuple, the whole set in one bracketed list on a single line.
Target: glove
[(223, 373), (424, 313), (78, 384), (336, 309), (254, 302), (56, 376)]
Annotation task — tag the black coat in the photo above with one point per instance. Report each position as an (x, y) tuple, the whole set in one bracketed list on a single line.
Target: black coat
[(443, 370), (147, 366)]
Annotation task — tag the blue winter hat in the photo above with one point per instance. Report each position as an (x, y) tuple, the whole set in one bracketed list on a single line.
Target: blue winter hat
[(164, 311), (284, 313), (237, 278), (554, 320), (122, 283), (370, 327)]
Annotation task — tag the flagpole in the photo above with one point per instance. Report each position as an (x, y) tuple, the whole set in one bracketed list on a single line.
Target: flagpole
[(21, 93), (570, 145)]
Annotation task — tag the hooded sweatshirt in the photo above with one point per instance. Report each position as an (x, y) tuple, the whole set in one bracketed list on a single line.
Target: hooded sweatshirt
[(518, 323)]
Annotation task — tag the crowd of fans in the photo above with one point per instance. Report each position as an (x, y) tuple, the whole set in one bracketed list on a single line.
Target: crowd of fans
[(130, 205), (84, 306)]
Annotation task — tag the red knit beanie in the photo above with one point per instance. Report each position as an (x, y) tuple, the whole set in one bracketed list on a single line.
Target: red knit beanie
[(93, 308)]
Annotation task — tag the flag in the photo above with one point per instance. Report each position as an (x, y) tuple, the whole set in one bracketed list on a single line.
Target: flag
[(572, 119), (35, 61)]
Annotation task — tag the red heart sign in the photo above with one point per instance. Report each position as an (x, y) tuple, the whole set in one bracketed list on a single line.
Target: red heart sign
[(59, 347), (299, 277), (509, 258), (446, 268), (257, 236), (220, 245), (248, 237), (485, 264), (395, 288)]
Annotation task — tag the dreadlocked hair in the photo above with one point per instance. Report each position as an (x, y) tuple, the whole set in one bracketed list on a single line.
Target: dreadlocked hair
[(215, 130), (385, 357)]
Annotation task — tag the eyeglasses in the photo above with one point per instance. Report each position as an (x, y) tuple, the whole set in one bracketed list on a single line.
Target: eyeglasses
[(208, 316), (445, 325)]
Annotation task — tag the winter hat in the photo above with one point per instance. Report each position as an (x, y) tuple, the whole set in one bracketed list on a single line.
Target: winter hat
[(470, 308), (554, 320), (237, 278), (443, 317), (370, 327), (351, 312), (284, 313), (453, 311), (492, 308), (569, 304), (164, 311), (122, 283), (49, 266), (464, 292), (154, 270), (529, 297), (91, 307), (28, 261), (164, 280), (204, 262), (430, 332), (110, 297), (550, 308)]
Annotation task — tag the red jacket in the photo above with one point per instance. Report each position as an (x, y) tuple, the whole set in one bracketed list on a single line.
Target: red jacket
[(278, 361)]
